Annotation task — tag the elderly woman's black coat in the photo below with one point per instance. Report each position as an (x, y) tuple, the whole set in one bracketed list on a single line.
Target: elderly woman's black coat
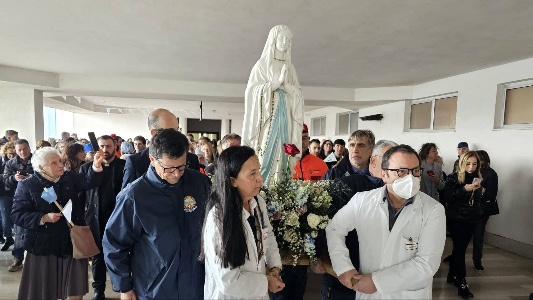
[(29, 207)]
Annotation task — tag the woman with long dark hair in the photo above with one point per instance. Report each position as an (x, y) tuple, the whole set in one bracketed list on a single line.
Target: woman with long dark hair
[(431, 181), (238, 241), (489, 190), (73, 156), (326, 149), (463, 211)]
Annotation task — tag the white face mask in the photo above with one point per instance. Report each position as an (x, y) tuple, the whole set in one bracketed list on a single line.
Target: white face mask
[(407, 186)]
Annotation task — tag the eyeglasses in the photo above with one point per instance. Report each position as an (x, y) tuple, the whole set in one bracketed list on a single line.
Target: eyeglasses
[(417, 172), (171, 170)]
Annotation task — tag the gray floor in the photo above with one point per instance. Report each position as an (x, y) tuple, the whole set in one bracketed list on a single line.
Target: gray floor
[(506, 276)]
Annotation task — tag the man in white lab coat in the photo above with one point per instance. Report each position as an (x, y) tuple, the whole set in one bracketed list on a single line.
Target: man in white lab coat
[(401, 234)]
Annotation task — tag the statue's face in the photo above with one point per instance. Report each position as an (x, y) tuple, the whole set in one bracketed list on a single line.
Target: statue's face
[(283, 40)]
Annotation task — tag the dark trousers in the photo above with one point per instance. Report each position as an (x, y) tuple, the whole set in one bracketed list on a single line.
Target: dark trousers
[(99, 275), (295, 279), (331, 290), (479, 233), (461, 232), (6, 204)]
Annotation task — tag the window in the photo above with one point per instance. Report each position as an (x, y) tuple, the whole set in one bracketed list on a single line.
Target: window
[(347, 122), (434, 113), (319, 126), (518, 104), (57, 121)]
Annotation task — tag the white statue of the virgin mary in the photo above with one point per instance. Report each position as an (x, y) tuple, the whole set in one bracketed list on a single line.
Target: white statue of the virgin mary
[(274, 113)]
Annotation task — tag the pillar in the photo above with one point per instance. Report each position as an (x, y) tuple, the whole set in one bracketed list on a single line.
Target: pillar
[(22, 110), (224, 127)]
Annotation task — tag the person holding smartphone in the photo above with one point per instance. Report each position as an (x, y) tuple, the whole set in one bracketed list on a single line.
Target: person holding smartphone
[(16, 170), (463, 192), (431, 182)]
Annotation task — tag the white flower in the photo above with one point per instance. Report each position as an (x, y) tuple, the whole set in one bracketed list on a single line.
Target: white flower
[(292, 220), (314, 234), (313, 220), (290, 236), (324, 220)]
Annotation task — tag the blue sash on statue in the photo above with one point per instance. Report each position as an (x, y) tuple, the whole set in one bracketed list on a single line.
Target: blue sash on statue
[(279, 135)]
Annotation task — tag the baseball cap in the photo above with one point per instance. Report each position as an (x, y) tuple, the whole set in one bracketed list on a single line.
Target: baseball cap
[(462, 145), (305, 129), (88, 148)]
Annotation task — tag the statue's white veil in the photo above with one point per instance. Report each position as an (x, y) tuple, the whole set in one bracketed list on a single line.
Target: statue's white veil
[(270, 49)]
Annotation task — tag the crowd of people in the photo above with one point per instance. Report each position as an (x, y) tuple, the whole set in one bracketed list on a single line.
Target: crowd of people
[(165, 230)]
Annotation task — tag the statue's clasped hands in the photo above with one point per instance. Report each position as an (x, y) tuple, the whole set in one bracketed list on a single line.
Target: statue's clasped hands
[(280, 84)]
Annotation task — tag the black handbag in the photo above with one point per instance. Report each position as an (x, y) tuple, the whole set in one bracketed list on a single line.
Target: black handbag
[(490, 208)]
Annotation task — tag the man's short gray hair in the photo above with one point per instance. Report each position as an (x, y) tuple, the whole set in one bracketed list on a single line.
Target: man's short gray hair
[(382, 143), (228, 137), (358, 134), (39, 158)]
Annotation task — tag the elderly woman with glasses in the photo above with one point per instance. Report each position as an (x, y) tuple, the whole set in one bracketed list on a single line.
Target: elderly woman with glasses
[(50, 272)]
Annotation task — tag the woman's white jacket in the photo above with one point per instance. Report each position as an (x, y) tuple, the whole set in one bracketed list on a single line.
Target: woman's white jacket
[(248, 281)]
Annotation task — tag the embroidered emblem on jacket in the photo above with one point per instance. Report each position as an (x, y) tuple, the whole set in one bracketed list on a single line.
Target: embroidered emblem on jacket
[(189, 204)]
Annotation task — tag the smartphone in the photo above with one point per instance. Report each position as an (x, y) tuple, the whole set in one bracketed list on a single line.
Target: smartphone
[(430, 173), (23, 173), (94, 142), (477, 180)]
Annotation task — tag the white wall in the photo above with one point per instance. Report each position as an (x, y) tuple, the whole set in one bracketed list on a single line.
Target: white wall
[(331, 122), (236, 124), (124, 125), (510, 150)]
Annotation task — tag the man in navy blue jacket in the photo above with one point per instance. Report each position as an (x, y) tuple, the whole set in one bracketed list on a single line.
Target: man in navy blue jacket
[(137, 164), (153, 238)]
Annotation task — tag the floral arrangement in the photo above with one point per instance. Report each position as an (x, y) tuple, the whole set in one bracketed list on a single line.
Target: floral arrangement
[(298, 210)]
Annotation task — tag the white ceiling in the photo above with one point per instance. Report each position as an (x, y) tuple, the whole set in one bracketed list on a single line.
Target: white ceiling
[(338, 44)]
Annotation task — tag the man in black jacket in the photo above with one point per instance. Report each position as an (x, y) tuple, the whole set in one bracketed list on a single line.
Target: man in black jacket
[(99, 204), (16, 170), (11, 136), (360, 146), (137, 164), (342, 191)]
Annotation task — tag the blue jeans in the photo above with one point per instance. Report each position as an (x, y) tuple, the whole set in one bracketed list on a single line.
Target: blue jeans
[(6, 204), (18, 248)]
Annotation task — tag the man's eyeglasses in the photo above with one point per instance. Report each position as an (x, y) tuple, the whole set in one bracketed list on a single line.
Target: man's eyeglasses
[(417, 172), (171, 170)]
